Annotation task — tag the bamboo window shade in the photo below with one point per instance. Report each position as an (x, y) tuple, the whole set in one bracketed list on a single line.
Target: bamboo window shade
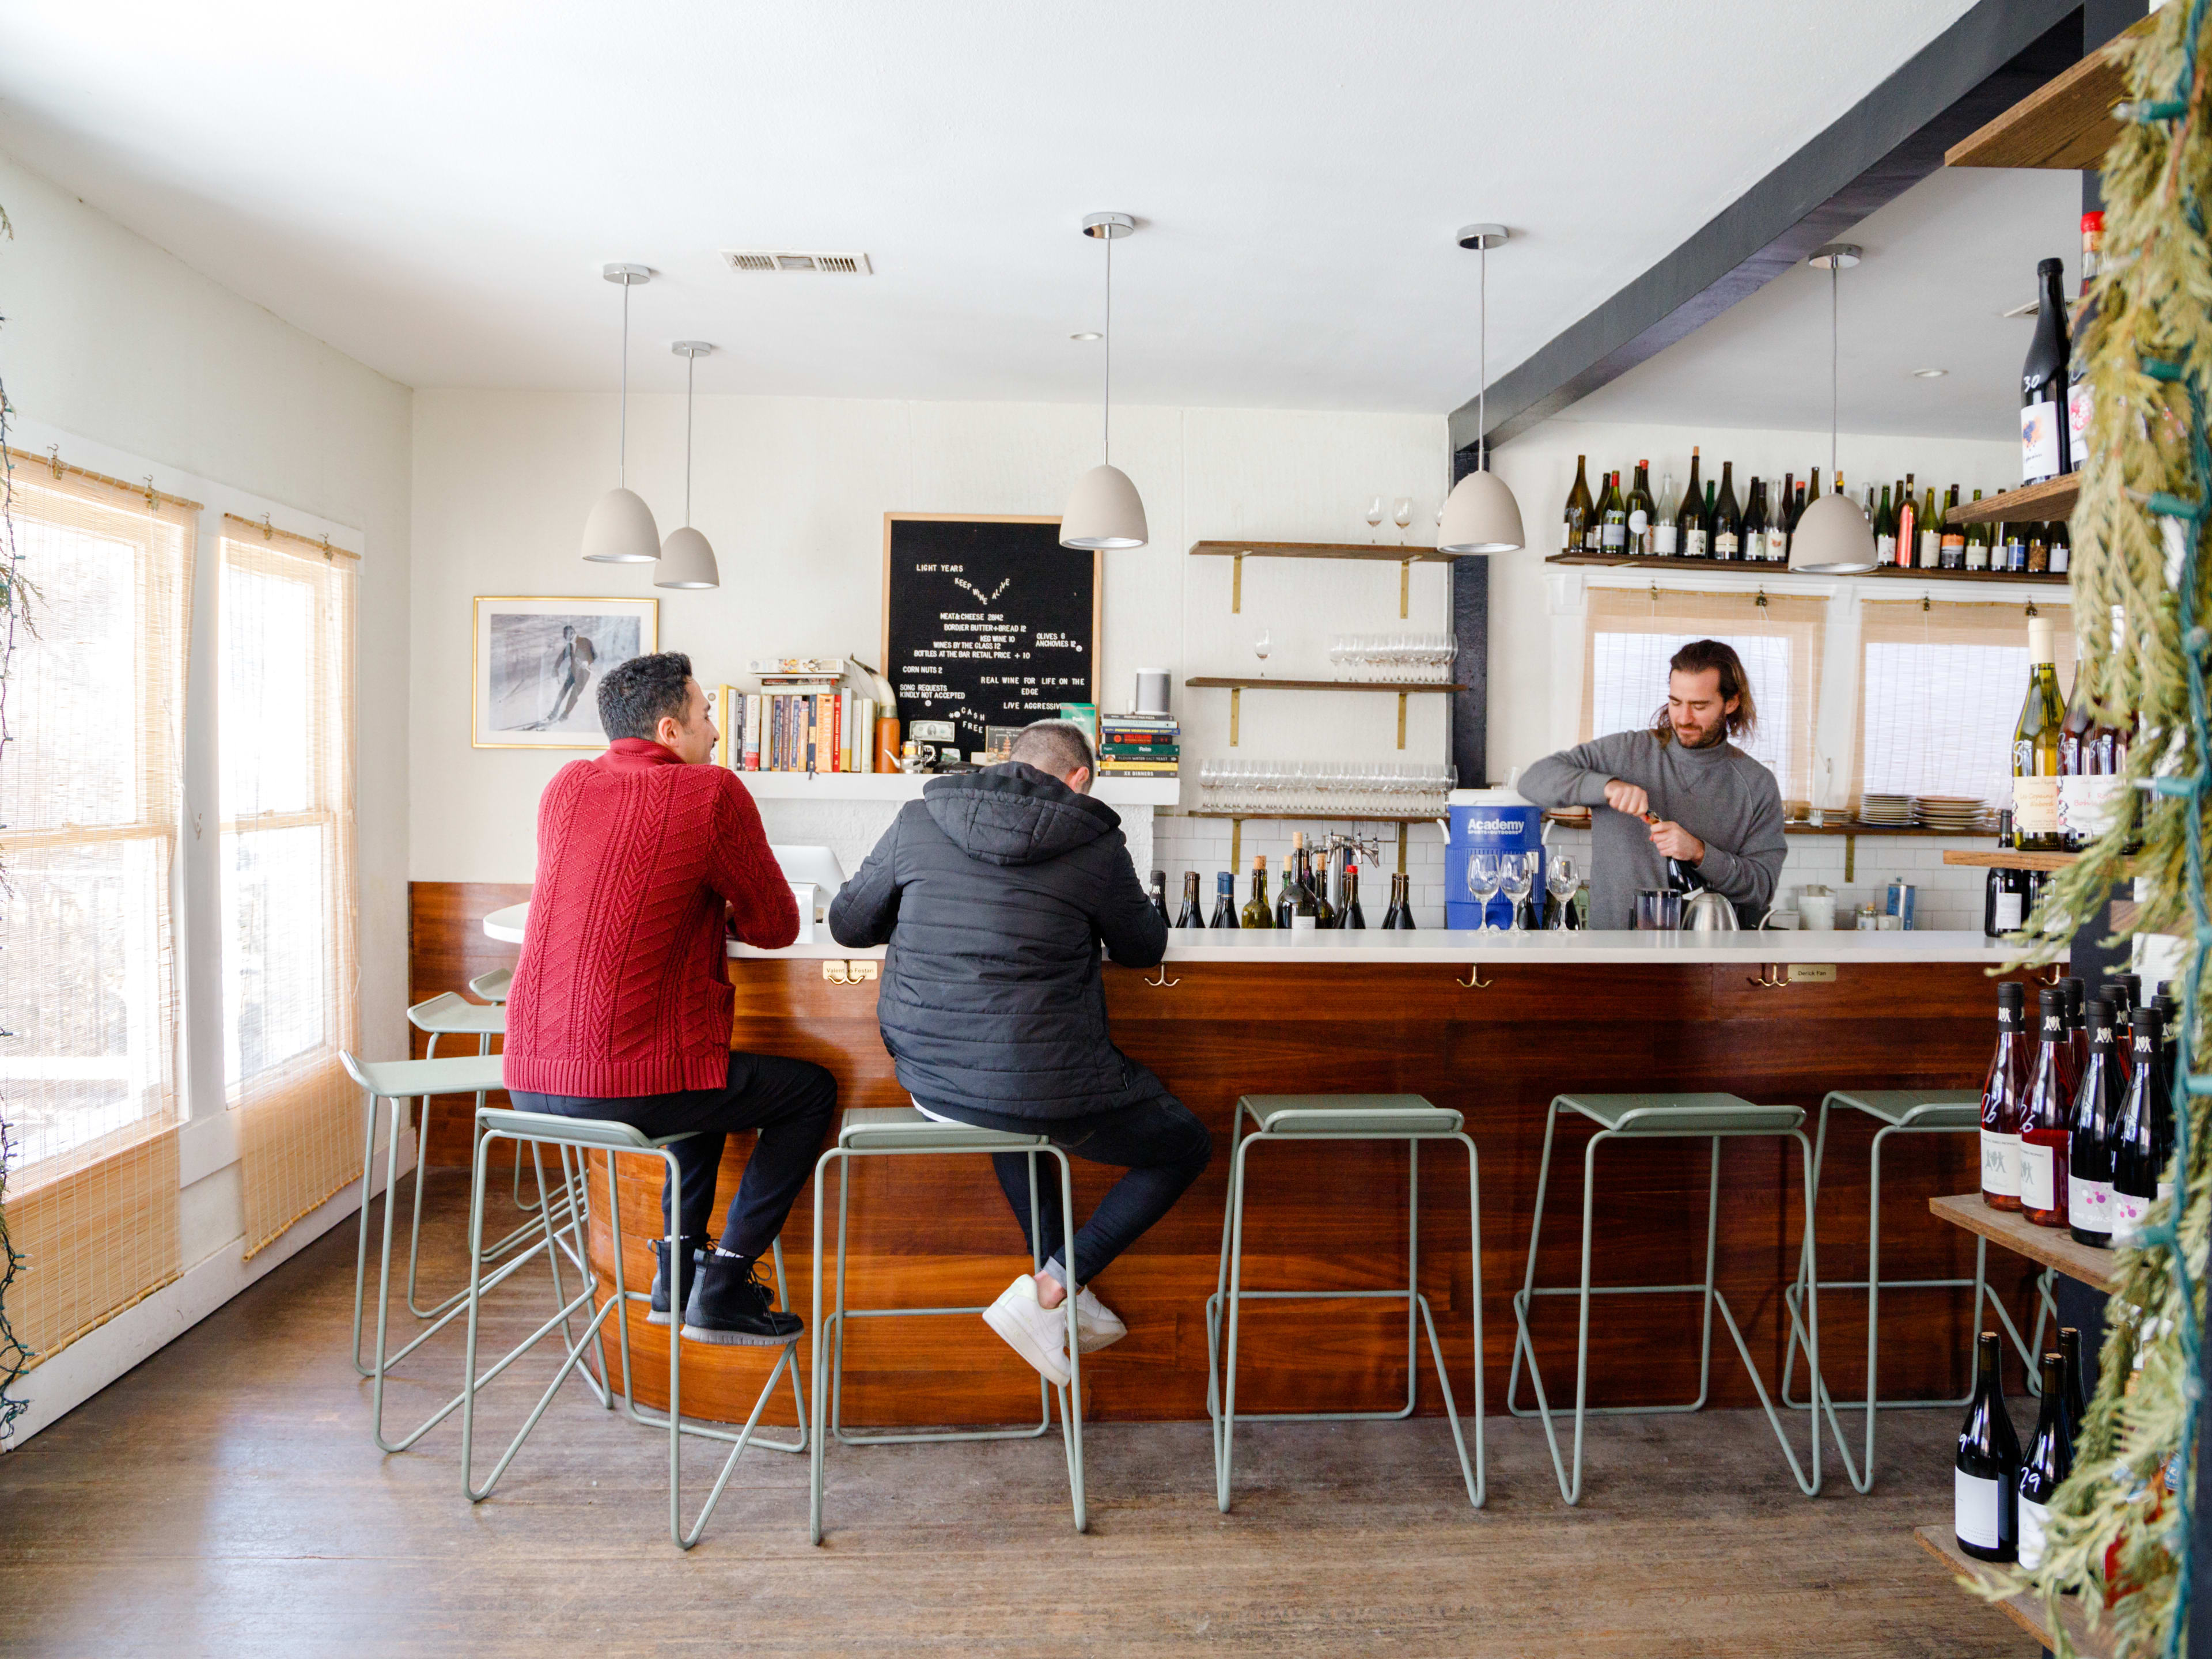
[(291, 966), (1631, 632), (90, 793), (1939, 690)]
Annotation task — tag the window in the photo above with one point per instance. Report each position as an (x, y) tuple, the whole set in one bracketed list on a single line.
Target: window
[(1634, 631), (285, 657), (89, 793), (1939, 690)]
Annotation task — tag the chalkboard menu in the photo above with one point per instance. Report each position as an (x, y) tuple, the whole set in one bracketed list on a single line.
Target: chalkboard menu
[(987, 620)]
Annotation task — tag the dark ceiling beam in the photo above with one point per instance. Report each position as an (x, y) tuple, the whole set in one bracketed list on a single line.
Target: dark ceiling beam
[(1894, 137)]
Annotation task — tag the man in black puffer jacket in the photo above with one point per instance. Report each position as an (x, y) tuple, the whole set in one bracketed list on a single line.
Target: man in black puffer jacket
[(993, 892)]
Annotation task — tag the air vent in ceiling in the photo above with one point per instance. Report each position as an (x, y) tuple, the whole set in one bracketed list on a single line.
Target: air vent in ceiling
[(837, 265)]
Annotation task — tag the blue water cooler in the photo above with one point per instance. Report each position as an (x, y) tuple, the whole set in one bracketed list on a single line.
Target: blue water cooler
[(1489, 821)]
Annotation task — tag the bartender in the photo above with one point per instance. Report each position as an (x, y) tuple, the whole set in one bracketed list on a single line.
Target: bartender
[(1680, 789)]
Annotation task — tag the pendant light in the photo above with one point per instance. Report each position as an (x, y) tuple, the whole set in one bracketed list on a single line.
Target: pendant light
[(1833, 538), (686, 560), (1103, 509), (621, 530), (1480, 515)]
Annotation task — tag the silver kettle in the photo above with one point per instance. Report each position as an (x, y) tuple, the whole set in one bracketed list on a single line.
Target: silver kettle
[(1708, 912)]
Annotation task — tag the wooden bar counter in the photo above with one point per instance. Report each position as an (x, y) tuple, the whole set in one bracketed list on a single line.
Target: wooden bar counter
[(1256, 1013)]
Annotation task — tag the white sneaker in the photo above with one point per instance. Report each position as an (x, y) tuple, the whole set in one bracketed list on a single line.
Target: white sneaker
[(1097, 1325), (1038, 1334)]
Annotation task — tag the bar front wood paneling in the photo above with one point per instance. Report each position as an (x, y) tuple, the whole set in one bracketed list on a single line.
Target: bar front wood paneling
[(936, 1231)]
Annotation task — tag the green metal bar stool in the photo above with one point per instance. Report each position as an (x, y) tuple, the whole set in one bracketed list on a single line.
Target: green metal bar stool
[(493, 987), (581, 1136), (1308, 1118), (1900, 1112), (1717, 1117), (399, 1081), (903, 1132)]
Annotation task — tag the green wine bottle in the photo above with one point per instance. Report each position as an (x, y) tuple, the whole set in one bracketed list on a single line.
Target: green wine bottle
[(2035, 742), (1257, 912)]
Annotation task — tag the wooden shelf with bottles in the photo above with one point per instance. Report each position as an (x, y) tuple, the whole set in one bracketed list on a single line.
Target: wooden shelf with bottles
[(2035, 503), (2047, 1247), (2024, 1610), (1405, 558), (1740, 567), (1251, 682), (2006, 857), (2066, 124)]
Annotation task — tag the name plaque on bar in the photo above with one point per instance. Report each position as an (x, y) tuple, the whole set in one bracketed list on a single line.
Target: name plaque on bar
[(988, 620)]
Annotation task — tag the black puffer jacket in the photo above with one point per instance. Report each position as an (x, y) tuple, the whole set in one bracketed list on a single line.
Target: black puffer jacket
[(992, 892)]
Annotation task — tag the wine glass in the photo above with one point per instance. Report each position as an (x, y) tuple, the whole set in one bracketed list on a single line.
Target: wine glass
[(1261, 647), (1401, 514), (1484, 878), (1375, 515), (1560, 882), (1516, 873)]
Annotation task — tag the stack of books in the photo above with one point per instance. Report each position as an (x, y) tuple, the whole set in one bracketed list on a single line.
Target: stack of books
[(1149, 745), (801, 719)]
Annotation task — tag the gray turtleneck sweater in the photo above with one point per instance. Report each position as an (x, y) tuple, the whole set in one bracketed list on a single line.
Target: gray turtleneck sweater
[(1721, 795)]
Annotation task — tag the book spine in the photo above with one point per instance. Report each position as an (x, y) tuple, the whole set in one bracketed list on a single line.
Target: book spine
[(864, 739), (752, 732)]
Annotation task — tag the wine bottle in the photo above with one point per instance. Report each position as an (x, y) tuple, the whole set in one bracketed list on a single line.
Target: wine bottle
[(1951, 552), (2038, 548), (1580, 513), (1908, 524), (1695, 531), (2096, 1118), (1985, 1480), (2136, 1166), (2077, 382), (1160, 896), (1257, 911), (1298, 883), (2035, 747), (1930, 532), (1224, 900), (1728, 518), (1354, 917), (1667, 534), (1754, 523), (2047, 1114), (2050, 1460), (1612, 517), (2074, 756), (2077, 1399), (1711, 513), (1290, 880), (1978, 543), (2044, 449), (1884, 529), (2003, 1092), (1642, 513), (2058, 544), (1783, 524), (1399, 917), (1316, 885), (2003, 898), (2077, 1021)]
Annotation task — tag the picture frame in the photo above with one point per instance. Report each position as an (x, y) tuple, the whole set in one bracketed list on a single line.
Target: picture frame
[(531, 684)]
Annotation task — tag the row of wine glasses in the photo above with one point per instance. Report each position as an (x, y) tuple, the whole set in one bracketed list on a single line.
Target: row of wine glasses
[(1401, 513), (1489, 874), (1408, 658), (1337, 788)]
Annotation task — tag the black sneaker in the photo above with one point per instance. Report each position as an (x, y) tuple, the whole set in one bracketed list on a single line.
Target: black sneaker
[(730, 1305), (693, 1251)]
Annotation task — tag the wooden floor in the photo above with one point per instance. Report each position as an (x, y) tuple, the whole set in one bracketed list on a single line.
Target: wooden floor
[(223, 1499)]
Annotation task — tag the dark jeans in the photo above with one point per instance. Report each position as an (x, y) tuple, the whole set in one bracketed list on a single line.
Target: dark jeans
[(1161, 1145), (790, 1102)]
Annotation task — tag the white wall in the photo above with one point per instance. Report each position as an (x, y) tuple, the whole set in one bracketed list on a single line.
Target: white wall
[(792, 492), (134, 362)]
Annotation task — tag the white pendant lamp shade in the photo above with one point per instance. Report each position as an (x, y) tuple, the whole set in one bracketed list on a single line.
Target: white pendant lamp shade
[(1831, 539), (1103, 510), (686, 560), (1480, 516), (621, 530)]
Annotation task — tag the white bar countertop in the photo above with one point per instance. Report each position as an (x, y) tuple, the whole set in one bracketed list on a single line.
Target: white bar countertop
[(1445, 946), (1122, 791)]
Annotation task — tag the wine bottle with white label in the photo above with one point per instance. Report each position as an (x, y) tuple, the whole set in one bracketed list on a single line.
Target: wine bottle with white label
[(2045, 446), (2002, 1093), (1754, 523), (1728, 518), (1667, 532), (1695, 531), (1985, 1478), (2050, 1460), (2046, 1114), (1642, 513), (2003, 907), (2035, 741), (2136, 1164), (2097, 1103), (1580, 510)]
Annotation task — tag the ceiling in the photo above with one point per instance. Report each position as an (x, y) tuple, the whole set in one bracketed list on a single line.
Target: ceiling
[(1943, 263), (433, 188)]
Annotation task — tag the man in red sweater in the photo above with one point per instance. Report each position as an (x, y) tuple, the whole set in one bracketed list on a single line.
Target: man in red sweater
[(648, 857)]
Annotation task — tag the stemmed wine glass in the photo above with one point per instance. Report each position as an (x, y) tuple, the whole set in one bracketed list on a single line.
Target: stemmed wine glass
[(1484, 878), (1560, 881), (1260, 648), (1401, 514), (1516, 872), (1375, 515)]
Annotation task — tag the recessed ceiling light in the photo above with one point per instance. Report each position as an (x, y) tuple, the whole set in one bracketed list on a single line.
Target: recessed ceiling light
[(1087, 334), (1929, 373)]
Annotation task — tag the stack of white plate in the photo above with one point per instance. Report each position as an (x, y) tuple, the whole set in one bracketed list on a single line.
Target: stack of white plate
[(1958, 814), (1893, 810)]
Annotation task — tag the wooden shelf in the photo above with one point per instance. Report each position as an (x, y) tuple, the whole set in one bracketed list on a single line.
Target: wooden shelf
[(2036, 503), (1616, 561), (1571, 819), (2066, 124), (1385, 553), (1239, 683), (2049, 1247), (2004, 858), (2024, 1610)]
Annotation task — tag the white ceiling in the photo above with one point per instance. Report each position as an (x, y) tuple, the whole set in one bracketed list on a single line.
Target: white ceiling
[(1943, 263), (432, 188)]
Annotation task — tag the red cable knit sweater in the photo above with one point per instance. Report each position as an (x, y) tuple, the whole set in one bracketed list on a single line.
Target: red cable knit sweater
[(621, 988)]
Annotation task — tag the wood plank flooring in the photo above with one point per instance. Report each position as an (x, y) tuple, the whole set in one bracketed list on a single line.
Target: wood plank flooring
[(223, 1499)]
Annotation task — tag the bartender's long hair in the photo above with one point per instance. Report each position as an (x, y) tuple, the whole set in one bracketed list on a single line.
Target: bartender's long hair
[(1694, 658)]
